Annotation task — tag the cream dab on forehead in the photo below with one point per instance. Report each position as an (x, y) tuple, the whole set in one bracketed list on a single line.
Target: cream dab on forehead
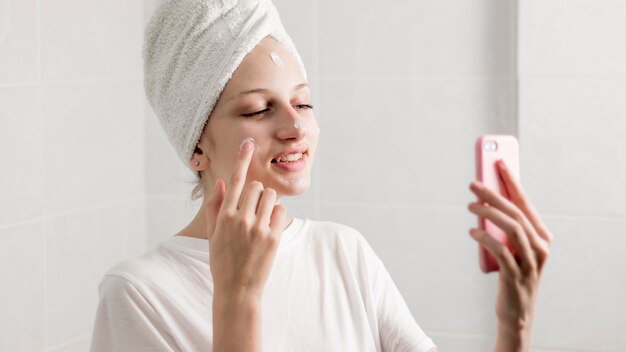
[(277, 60)]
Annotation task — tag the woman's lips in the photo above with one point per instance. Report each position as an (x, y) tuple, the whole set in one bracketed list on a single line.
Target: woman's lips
[(292, 166)]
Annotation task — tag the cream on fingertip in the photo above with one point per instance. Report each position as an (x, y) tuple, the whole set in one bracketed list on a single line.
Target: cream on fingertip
[(247, 144)]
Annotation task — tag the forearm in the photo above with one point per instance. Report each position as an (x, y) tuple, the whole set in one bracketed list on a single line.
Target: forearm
[(236, 323), (513, 340)]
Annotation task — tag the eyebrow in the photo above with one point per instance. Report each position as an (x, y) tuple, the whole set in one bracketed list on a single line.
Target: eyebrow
[(263, 90)]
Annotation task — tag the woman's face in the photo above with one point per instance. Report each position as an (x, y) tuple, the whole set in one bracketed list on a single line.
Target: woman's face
[(268, 99)]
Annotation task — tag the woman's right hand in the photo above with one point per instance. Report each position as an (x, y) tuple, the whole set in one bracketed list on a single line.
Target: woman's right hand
[(244, 229)]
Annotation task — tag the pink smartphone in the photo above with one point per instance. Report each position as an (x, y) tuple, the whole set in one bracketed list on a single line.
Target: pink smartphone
[(488, 150)]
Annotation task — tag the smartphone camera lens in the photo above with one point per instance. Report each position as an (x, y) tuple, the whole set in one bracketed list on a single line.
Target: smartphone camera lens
[(490, 146)]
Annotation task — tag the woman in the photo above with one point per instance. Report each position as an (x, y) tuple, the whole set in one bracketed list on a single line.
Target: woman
[(243, 275)]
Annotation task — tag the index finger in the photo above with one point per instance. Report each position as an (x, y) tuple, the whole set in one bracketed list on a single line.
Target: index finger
[(519, 198), (238, 177)]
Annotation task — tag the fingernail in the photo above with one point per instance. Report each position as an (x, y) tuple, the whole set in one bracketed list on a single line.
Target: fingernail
[(502, 164), (246, 144)]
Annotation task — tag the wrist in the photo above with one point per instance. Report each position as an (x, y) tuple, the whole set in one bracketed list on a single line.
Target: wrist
[(235, 300), (513, 339), (240, 293), (236, 322)]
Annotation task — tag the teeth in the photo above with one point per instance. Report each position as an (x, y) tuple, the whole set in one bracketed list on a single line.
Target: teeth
[(290, 157)]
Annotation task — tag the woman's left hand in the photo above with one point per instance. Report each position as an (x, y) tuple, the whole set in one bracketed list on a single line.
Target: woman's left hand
[(531, 239)]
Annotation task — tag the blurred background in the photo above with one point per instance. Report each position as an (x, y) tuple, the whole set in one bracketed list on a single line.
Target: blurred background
[(401, 90)]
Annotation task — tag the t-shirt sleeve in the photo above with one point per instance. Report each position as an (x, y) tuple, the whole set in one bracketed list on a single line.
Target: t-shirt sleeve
[(398, 329), (125, 320)]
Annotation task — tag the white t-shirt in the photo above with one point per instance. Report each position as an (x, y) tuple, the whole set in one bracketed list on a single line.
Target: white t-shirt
[(327, 291)]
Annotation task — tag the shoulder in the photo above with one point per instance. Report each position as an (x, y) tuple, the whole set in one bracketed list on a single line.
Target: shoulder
[(132, 268), (333, 231), (119, 290), (135, 274), (342, 238), (332, 228)]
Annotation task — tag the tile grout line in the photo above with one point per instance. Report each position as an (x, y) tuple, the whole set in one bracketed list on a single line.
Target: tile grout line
[(69, 342), (144, 194), (534, 77), (43, 229), (409, 77), (422, 206), (487, 338), (73, 211), (318, 192), (443, 333), (94, 79)]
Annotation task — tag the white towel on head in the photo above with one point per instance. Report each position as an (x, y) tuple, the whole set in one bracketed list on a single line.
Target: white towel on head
[(191, 49)]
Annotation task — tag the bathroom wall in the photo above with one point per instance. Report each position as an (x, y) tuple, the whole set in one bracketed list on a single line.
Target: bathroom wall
[(72, 163), (400, 91), (572, 125)]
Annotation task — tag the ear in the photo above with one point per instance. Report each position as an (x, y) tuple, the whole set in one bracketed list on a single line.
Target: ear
[(199, 161)]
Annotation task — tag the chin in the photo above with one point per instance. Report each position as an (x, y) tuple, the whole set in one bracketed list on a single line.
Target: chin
[(295, 187)]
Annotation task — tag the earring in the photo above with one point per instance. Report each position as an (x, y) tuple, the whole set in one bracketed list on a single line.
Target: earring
[(197, 163)]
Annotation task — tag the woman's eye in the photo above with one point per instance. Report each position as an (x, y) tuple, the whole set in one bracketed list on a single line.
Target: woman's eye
[(262, 112), (258, 113), (304, 106)]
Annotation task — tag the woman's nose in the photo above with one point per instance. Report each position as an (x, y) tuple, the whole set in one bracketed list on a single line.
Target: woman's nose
[(292, 126)]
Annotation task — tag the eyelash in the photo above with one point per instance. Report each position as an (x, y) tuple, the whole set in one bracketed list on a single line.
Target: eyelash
[(261, 112)]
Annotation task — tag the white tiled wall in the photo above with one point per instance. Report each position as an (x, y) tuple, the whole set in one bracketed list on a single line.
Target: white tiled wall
[(572, 125), (72, 161), (401, 89)]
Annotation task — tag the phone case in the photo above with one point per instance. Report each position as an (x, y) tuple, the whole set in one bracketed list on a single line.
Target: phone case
[(488, 150)]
